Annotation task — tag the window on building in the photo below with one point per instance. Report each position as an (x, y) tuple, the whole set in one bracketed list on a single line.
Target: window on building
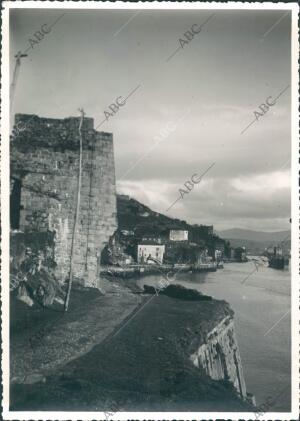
[(15, 204)]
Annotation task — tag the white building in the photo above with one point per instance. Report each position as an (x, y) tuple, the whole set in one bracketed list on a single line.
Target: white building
[(179, 235), (218, 255), (147, 252)]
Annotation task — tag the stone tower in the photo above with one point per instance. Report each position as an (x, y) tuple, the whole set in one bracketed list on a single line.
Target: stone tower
[(44, 180)]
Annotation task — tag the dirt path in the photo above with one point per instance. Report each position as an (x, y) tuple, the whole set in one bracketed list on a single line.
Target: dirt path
[(42, 340)]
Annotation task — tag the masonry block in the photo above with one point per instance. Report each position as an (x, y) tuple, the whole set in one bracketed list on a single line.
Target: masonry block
[(45, 160)]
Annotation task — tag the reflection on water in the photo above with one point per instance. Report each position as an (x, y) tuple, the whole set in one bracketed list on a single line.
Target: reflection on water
[(263, 323)]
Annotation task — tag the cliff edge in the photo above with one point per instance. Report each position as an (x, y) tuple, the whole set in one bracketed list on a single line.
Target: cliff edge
[(170, 354)]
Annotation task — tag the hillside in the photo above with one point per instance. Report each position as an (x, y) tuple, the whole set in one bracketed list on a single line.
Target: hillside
[(243, 234), (134, 215), (256, 241), (252, 247)]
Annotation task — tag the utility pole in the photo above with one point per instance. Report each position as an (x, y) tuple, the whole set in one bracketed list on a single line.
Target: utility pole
[(13, 85), (76, 212)]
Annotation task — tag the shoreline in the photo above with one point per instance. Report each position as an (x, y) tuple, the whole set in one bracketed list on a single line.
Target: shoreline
[(133, 271)]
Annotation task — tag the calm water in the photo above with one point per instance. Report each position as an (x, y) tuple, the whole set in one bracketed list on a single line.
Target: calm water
[(264, 340)]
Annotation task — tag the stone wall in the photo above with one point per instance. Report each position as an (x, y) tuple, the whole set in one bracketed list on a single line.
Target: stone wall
[(219, 356), (45, 159)]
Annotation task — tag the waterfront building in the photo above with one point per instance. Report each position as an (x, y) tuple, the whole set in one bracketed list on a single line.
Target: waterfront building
[(240, 254), (199, 233), (155, 239), (150, 253), (203, 257), (232, 253), (127, 232), (220, 245), (218, 255), (179, 235)]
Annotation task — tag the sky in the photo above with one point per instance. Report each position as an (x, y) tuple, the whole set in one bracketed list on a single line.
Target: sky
[(185, 114)]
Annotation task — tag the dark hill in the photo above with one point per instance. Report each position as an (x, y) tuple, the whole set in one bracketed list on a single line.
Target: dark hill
[(256, 241), (249, 235), (134, 215)]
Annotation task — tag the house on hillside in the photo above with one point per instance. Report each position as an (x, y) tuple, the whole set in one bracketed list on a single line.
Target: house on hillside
[(199, 233), (240, 254), (149, 253), (178, 235)]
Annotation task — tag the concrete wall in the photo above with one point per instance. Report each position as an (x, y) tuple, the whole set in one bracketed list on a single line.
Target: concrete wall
[(219, 356), (45, 157)]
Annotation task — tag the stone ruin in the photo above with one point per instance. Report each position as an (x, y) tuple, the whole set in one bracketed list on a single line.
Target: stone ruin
[(44, 165)]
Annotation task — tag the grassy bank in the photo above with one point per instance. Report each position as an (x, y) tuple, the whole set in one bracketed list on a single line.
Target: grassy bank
[(141, 364)]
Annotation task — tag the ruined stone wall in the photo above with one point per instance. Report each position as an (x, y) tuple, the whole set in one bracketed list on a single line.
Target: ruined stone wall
[(219, 356), (45, 157)]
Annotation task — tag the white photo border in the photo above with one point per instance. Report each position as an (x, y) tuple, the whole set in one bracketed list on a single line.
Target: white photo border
[(5, 125)]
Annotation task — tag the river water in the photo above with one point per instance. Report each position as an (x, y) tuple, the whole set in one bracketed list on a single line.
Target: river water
[(262, 304)]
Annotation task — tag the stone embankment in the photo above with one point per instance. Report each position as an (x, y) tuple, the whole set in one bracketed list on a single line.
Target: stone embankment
[(136, 270)]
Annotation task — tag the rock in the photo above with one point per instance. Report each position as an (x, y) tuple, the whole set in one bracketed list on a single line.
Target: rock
[(34, 378), (45, 287), (17, 380), (178, 291), (32, 268), (59, 300), (23, 295)]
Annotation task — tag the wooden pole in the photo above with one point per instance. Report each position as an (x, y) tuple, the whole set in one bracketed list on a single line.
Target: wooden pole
[(15, 78), (76, 213)]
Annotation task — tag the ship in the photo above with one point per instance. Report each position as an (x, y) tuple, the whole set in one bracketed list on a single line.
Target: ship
[(276, 258)]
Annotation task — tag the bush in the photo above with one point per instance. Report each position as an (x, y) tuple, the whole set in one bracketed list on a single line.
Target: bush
[(178, 291)]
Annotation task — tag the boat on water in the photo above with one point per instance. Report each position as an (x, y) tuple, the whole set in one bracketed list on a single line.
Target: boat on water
[(205, 267), (276, 262), (276, 258)]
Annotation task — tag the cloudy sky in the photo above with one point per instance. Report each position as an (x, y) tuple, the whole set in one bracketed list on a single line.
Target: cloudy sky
[(184, 113)]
